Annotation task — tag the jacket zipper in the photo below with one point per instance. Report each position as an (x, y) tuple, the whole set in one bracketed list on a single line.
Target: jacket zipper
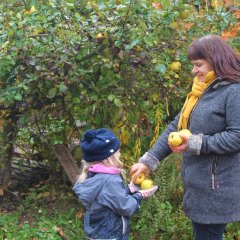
[(124, 225), (213, 171)]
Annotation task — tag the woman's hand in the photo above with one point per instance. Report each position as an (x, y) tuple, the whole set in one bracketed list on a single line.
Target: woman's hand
[(138, 168), (181, 148)]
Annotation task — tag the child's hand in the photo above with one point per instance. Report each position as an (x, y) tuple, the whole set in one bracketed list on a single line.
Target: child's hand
[(148, 192), (133, 187)]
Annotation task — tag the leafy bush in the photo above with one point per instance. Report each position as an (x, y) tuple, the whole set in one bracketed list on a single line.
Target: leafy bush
[(69, 65)]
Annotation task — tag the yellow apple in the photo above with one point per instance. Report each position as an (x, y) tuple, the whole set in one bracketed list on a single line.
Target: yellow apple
[(99, 36), (185, 132), (139, 179), (174, 139), (175, 66), (138, 48), (185, 14), (146, 184)]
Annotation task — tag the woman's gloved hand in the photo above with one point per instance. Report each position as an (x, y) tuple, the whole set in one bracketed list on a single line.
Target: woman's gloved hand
[(137, 169)]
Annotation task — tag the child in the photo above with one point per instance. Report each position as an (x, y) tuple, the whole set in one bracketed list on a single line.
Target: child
[(107, 199)]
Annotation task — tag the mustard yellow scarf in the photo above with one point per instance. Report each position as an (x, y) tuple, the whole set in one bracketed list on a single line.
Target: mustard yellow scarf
[(198, 88)]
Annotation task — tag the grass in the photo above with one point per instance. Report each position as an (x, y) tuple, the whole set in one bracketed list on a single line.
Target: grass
[(43, 227), (47, 212)]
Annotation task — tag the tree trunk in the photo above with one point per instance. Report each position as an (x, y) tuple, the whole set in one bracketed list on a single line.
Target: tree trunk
[(67, 161), (9, 135)]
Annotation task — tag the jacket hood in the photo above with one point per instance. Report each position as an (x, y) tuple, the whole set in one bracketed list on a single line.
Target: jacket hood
[(88, 190)]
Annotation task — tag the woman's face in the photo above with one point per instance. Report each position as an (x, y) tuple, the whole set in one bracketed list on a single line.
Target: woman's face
[(200, 68)]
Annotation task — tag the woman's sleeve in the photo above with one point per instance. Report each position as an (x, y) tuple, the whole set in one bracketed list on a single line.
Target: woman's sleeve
[(160, 148)]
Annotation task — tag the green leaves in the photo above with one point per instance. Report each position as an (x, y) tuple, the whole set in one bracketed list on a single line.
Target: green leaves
[(52, 92), (132, 44), (160, 68), (63, 88), (18, 97)]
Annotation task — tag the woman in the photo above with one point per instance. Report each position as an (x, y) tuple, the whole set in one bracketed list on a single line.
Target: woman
[(211, 155)]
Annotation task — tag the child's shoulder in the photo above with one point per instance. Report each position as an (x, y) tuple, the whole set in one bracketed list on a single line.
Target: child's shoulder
[(109, 177)]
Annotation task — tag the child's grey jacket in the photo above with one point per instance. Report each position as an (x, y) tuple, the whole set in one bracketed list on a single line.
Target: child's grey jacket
[(211, 166), (108, 204)]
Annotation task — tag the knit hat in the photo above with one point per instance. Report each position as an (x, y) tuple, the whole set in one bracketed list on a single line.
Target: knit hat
[(99, 144)]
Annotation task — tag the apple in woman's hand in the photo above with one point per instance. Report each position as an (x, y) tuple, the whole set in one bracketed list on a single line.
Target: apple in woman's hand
[(174, 139), (139, 179), (185, 133)]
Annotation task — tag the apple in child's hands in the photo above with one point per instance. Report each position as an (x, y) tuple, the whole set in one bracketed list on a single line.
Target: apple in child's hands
[(139, 179), (146, 184), (174, 139)]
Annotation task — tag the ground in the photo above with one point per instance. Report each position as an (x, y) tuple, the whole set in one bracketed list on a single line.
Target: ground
[(53, 196), (9, 202)]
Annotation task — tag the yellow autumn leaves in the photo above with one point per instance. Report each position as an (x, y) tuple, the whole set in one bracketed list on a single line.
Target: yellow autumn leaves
[(32, 10)]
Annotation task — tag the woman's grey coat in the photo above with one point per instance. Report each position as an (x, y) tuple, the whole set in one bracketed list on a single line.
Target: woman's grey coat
[(211, 165)]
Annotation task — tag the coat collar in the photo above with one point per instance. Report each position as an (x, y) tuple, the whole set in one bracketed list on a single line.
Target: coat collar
[(220, 83)]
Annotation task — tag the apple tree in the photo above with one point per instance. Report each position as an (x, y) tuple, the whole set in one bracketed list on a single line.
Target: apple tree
[(66, 66)]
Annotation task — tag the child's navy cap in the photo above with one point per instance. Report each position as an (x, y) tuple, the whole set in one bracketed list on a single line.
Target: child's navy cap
[(99, 144)]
